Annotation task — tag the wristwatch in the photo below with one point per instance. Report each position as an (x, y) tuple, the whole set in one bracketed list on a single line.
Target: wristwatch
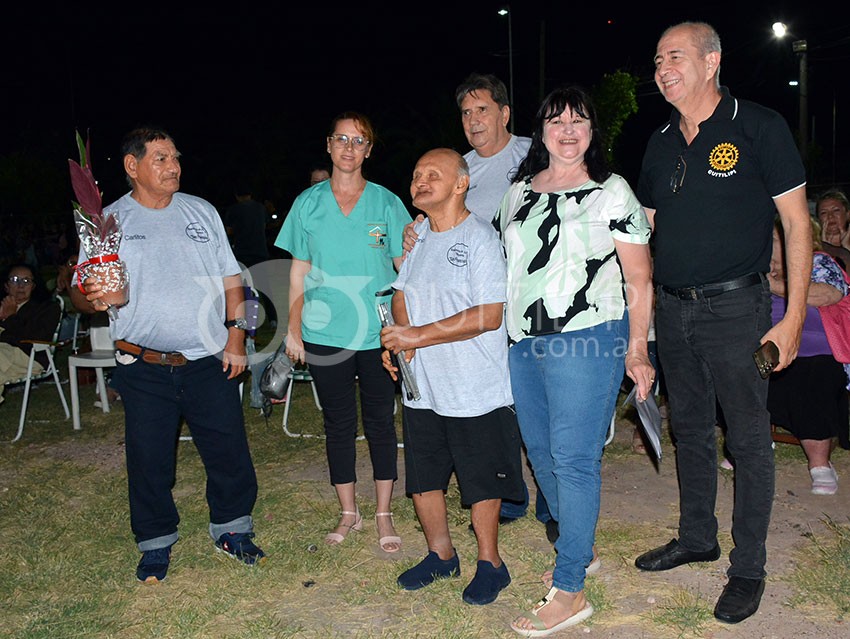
[(238, 322)]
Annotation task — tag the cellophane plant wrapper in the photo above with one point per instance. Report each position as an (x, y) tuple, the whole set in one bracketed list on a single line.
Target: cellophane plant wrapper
[(99, 233)]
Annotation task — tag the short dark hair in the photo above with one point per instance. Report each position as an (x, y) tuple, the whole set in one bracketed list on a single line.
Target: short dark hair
[(483, 82), (134, 142)]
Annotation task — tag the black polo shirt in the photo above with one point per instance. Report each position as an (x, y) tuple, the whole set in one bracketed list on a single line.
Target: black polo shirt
[(719, 225)]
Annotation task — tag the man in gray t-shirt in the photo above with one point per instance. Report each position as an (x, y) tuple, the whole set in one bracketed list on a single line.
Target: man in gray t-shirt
[(495, 156), (179, 349)]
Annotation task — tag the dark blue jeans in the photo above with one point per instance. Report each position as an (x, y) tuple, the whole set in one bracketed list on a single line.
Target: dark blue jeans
[(155, 400), (705, 347), (516, 509)]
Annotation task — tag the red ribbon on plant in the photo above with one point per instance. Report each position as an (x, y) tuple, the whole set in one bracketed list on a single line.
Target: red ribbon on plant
[(98, 259)]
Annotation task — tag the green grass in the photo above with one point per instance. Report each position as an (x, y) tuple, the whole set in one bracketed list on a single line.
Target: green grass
[(822, 576), (688, 613), (68, 560)]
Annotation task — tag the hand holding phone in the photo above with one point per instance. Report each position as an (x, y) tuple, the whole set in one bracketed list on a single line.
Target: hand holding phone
[(766, 357)]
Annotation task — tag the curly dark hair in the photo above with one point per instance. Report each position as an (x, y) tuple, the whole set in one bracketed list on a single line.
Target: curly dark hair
[(578, 100)]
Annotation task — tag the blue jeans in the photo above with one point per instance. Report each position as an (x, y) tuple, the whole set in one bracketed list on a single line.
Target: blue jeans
[(565, 387), (706, 347), (156, 398)]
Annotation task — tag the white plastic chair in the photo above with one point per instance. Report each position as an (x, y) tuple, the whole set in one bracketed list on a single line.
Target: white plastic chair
[(102, 356), (49, 348)]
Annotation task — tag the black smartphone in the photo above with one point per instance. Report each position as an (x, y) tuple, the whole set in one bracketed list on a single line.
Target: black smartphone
[(766, 357)]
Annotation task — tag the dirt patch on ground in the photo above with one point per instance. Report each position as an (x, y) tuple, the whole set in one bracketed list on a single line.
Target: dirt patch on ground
[(639, 511), (106, 455)]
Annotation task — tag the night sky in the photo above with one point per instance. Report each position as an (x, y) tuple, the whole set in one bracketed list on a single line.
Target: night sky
[(251, 91)]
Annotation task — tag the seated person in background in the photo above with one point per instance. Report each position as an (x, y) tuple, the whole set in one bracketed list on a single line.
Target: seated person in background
[(64, 274), (833, 211), (26, 313), (61, 287), (809, 398)]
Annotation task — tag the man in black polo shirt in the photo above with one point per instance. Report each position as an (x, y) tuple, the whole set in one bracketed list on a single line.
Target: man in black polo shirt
[(712, 180)]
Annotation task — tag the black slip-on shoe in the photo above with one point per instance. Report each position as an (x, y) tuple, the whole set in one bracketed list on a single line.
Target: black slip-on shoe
[(740, 599), (672, 555)]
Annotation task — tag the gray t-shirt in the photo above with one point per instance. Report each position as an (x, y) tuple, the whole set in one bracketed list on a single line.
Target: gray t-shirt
[(489, 178), (176, 258), (444, 274)]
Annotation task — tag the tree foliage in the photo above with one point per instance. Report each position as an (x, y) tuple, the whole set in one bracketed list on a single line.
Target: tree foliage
[(615, 98)]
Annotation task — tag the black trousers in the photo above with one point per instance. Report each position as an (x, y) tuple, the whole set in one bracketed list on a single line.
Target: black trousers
[(337, 373)]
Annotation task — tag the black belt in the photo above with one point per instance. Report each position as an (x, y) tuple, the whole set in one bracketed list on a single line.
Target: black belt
[(151, 356), (710, 290)]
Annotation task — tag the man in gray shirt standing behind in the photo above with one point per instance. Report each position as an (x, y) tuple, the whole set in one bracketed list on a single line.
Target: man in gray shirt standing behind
[(496, 152), (493, 160)]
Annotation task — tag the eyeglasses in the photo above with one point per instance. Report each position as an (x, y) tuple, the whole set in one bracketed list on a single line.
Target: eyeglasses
[(340, 141), (678, 176), (20, 281)]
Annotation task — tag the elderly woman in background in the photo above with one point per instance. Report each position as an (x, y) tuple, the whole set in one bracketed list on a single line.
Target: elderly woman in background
[(345, 235), (578, 312), (809, 398), (833, 211), (26, 313)]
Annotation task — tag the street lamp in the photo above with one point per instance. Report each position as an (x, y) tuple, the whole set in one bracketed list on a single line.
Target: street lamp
[(800, 47), (506, 11)]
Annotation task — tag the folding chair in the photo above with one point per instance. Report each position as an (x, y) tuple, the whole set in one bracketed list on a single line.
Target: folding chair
[(779, 434), (298, 375), (102, 356), (49, 348)]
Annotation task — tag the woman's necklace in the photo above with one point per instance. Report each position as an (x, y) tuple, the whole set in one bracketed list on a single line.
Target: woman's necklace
[(346, 204)]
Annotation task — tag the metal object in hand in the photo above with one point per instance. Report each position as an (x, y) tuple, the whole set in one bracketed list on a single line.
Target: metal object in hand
[(401, 361)]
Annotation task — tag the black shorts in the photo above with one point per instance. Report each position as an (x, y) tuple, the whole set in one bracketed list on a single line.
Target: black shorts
[(483, 452)]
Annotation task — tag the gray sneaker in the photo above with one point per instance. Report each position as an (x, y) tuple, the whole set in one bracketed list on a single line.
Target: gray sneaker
[(824, 480)]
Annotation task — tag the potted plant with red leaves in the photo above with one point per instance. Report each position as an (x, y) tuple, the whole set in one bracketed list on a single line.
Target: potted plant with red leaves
[(99, 232)]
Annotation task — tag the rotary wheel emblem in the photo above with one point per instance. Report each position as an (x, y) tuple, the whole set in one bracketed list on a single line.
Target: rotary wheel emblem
[(723, 157)]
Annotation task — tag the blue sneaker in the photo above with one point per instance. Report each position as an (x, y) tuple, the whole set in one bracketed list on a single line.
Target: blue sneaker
[(488, 582), (239, 546), (428, 570), (153, 565)]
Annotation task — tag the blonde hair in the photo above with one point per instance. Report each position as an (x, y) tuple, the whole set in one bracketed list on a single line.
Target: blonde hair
[(817, 245)]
